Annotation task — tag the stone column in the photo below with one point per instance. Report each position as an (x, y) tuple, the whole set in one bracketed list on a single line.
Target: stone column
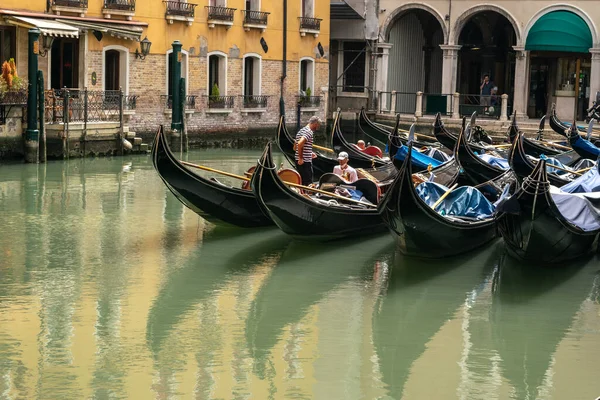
[(594, 74), (456, 106), (419, 105), (393, 101), (521, 93), (504, 107), (449, 67), (383, 55)]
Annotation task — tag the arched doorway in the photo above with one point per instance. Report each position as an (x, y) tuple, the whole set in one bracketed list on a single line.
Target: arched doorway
[(415, 60), (486, 39), (112, 70)]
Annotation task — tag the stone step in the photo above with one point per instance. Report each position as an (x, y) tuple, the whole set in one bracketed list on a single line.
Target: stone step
[(144, 147), (129, 135), (137, 141), (125, 129)]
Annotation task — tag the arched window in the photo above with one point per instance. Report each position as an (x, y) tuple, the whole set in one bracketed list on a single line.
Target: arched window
[(307, 74), (217, 72), (184, 69), (115, 68)]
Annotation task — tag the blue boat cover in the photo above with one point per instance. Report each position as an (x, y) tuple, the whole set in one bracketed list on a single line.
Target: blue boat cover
[(583, 163), (581, 209), (586, 145), (495, 161), (588, 182), (437, 154), (465, 201), (420, 161), (554, 161)]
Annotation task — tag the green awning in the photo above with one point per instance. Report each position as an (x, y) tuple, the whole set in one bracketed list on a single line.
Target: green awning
[(560, 31)]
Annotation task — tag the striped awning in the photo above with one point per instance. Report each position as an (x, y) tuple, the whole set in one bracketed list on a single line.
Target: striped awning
[(46, 26), (117, 30)]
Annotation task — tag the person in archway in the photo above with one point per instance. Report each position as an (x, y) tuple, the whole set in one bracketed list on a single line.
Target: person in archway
[(345, 171), (304, 153), (485, 90)]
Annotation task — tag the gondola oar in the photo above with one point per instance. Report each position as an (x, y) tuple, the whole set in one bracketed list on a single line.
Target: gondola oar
[(559, 168), (439, 201), (243, 178)]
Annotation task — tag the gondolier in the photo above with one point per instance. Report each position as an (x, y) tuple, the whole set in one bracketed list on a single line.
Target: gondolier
[(304, 154)]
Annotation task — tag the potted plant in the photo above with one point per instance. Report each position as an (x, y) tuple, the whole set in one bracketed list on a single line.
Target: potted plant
[(13, 90), (215, 100)]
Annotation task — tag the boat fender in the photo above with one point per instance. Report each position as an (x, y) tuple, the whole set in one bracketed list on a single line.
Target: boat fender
[(127, 144)]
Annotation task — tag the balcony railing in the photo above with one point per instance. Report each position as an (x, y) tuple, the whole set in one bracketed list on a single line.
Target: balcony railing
[(309, 101), (255, 17), (122, 5), (180, 8), (220, 13), (314, 24), (254, 101), (82, 105), (190, 101), (221, 101), (70, 3)]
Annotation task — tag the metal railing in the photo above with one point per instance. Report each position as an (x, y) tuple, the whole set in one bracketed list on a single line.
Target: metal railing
[(123, 5), (130, 102), (485, 106), (180, 8), (220, 13), (309, 101), (310, 23), (255, 17), (436, 102), (406, 102), (220, 101), (167, 100), (82, 105), (71, 3), (253, 101), (14, 97)]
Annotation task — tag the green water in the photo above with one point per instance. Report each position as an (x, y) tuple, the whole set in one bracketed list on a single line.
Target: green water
[(110, 288)]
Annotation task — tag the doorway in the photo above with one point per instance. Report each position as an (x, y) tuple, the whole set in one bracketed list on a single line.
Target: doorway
[(64, 66), (112, 70)]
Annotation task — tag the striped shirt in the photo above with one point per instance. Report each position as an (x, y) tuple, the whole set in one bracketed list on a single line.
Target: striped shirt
[(307, 133)]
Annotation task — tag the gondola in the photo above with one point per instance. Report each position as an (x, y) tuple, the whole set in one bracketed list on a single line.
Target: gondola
[(304, 217), (324, 164), (523, 167), (422, 231), (536, 230), (370, 129), (212, 200), (533, 148), (357, 158), (583, 147), (475, 168), (449, 139)]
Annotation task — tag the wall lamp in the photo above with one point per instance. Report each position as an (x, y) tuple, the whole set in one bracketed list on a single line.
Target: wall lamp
[(46, 43), (145, 48)]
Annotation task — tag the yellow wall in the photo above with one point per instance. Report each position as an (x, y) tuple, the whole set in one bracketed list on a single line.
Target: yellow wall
[(161, 34)]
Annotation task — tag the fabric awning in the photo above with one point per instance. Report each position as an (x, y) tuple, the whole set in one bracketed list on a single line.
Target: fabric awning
[(116, 30), (560, 31), (47, 27)]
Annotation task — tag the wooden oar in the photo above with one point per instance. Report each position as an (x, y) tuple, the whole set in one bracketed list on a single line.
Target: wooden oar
[(243, 178), (579, 171), (323, 148), (558, 168), (437, 203), (556, 145)]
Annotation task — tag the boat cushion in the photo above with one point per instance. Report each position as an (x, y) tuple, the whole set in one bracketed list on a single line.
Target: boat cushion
[(373, 151), (465, 201), (580, 209), (498, 162), (588, 182), (420, 161)]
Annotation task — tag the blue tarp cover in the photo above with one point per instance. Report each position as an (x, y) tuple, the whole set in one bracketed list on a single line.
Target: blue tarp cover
[(588, 182), (581, 209), (586, 145), (437, 154), (495, 161), (419, 160), (465, 201)]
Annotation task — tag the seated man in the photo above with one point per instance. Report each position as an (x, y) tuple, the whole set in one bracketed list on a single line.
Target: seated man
[(345, 171), (361, 144)]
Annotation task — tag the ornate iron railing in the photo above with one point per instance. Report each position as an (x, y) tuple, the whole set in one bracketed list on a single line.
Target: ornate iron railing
[(309, 101), (254, 101), (255, 17), (82, 105), (221, 101), (71, 3), (123, 5), (13, 97), (130, 102), (220, 13), (310, 23), (190, 101), (180, 8)]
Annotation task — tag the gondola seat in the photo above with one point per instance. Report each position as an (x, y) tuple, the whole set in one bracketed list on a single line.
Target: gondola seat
[(373, 151), (290, 176)]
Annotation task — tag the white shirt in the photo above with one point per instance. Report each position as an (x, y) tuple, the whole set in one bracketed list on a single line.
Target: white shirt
[(348, 173)]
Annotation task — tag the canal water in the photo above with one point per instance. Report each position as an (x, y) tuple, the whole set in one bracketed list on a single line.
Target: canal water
[(111, 288)]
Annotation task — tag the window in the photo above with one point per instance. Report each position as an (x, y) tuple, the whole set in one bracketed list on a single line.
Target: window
[(252, 76), (217, 73), (252, 5), (308, 8), (184, 69), (354, 65), (7, 43), (116, 69), (307, 75)]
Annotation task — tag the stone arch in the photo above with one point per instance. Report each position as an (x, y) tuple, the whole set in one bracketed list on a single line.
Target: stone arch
[(465, 16), (398, 12), (563, 7)]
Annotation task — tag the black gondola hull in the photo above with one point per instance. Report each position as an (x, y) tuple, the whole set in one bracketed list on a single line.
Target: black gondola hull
[(215, 202)]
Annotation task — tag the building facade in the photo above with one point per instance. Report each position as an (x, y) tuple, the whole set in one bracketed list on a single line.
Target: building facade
[(232, 50), (539, 53)]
